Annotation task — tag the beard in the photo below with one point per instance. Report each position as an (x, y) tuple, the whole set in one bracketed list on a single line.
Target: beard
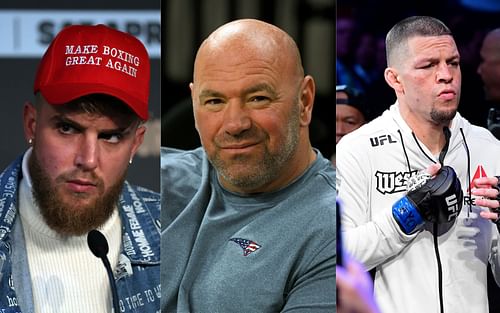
[(66, 212), (442, 117), (249, 173)]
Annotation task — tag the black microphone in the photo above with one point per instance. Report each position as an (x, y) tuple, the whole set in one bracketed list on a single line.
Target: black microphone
[(99, 247)]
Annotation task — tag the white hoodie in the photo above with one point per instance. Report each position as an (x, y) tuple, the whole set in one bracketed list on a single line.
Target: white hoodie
[(373, 164)]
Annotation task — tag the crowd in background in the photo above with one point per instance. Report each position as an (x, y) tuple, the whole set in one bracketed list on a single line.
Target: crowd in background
[(361, 61), (361, 29)]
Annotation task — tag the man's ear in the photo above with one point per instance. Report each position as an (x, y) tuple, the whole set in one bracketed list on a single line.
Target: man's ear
[(393, 79), (138, 139), (193, 101), (306, 100), (29, 120)]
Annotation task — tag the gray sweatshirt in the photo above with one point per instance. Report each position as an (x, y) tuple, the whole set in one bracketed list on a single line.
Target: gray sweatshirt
[(224, 252)]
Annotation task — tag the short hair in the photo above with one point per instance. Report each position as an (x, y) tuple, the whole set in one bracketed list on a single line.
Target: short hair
[(100, 104), (410, 27)]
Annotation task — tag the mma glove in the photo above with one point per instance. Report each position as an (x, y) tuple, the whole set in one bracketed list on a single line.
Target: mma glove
[(435, 199)]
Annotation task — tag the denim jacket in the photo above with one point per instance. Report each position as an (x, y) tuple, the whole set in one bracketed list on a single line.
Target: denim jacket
[(137, 275)]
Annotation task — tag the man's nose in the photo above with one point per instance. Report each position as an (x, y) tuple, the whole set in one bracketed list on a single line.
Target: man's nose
[(87, 154), (444, 73), (236, 118)]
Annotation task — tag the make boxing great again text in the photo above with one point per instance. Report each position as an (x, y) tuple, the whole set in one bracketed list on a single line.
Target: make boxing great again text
[(110, 57)]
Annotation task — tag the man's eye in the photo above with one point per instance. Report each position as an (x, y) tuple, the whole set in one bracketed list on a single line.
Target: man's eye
[(426, 66), (213, 101), (66, 128), (111, 138), (259, 99)]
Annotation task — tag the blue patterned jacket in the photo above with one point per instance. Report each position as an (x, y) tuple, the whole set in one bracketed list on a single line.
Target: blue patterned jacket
[(137, 275)]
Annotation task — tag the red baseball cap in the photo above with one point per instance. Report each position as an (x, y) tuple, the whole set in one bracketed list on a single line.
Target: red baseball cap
[(84, 59)]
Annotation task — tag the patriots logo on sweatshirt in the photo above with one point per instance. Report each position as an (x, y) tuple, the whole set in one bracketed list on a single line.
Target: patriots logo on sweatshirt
[(248, 246)]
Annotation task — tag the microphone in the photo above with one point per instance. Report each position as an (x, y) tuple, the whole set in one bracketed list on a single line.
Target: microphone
[(99, 247)]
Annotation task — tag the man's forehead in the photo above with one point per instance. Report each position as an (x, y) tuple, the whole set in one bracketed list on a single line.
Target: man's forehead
[(208, 90), (431, 42), (432, 47), (239, 56), (77, 114), (243, 73)]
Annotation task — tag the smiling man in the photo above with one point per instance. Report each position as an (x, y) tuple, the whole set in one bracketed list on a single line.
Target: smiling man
[(84, 128), (248, 220)]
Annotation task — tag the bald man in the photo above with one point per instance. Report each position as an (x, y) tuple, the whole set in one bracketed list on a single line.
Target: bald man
[(248, 218)]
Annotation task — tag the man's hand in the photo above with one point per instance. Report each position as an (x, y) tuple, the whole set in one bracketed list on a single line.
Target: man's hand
[(433, 169), (488, 188), (431, 199)]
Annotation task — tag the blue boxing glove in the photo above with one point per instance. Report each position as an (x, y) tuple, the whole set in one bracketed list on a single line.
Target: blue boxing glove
[(436, 200)]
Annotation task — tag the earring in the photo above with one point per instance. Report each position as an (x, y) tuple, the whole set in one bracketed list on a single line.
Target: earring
[(130, 161), (30, 141)]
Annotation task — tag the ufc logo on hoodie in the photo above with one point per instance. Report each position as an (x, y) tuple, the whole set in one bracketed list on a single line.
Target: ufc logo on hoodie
[(452, 203)]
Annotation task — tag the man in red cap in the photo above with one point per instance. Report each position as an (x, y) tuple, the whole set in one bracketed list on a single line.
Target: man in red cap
[(84, 128)]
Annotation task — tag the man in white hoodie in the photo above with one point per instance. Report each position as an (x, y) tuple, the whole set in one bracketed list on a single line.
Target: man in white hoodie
[(435, 267)]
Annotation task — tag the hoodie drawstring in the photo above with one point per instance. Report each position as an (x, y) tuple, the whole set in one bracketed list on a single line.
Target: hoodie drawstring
[(468, 172), (442, 154)]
